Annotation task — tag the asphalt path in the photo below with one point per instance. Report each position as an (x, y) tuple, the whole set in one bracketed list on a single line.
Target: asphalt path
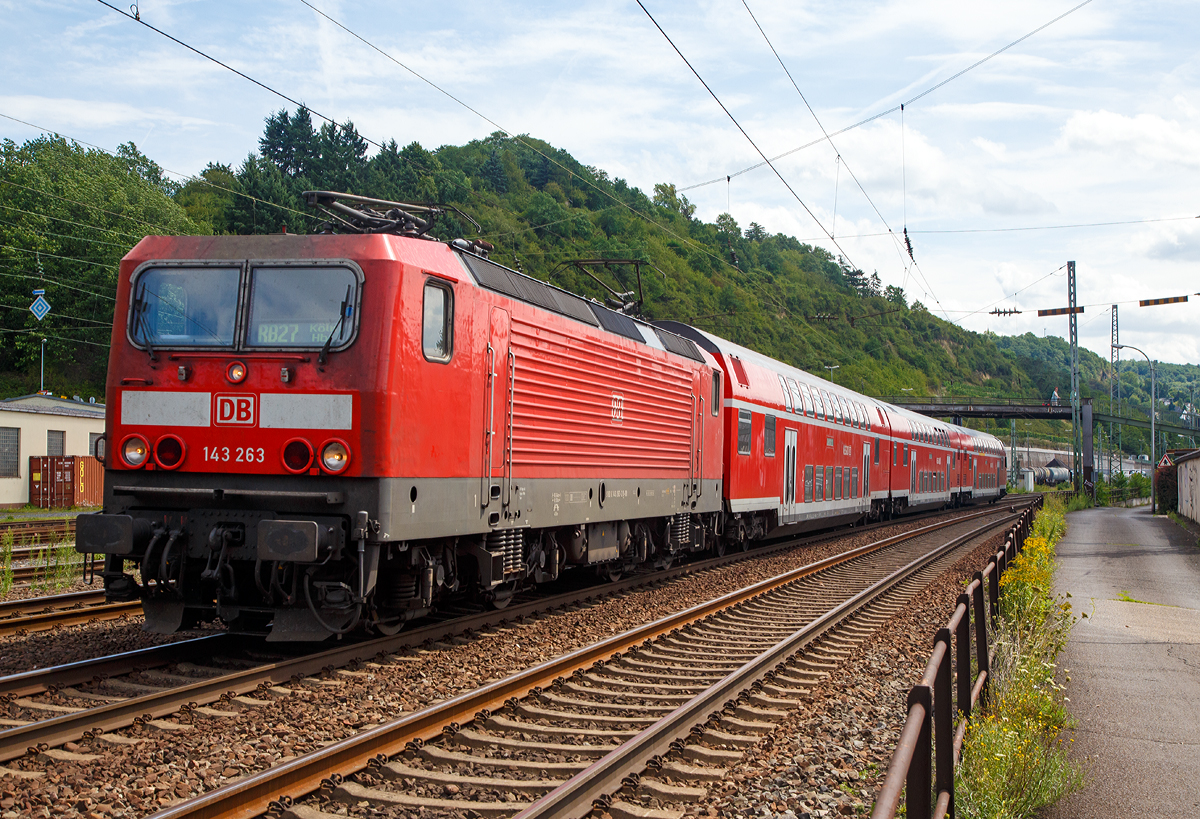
[(1133, 663)]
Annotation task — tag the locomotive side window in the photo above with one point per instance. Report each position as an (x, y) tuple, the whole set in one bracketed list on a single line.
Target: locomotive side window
[(301, 307), (769, 436), (184, 306), (437, 322), (716, 395), (744, 432)]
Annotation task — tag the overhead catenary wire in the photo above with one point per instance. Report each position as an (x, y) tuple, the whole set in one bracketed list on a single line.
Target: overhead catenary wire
[(738, 125), (842, 162), (188, 177), (684, 239), (895, 108)]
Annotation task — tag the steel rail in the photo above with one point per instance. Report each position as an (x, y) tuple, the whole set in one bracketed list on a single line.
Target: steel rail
[(38, 605), (49, 620), (67, 727), (253, 795), (575, 796), (28, 683)]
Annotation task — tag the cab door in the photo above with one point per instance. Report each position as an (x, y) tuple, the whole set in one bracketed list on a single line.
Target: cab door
[(497, 415)]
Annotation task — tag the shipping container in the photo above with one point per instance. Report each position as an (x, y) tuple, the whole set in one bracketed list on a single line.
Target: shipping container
[(60, 482)]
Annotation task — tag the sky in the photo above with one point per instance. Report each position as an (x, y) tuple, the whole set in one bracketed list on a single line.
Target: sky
[(1001, 175)]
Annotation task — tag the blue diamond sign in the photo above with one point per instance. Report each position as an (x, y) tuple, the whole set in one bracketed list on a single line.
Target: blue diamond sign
[(40, 307)]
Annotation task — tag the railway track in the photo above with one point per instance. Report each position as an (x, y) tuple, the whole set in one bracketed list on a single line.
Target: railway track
[(21, 617), (674, 700), (41, 531), (48, 707)]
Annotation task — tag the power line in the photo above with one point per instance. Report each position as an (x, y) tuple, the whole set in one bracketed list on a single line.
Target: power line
[(135, 236), (81, 204), (896, 108), (842, 161), (181, 175), (686, 240), (733, 119)]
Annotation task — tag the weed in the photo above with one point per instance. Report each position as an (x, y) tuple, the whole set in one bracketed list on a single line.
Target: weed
[(6, 571), (1014, 762)]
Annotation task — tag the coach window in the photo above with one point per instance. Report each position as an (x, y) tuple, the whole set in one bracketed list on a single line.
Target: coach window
[(866, 416), (854, 482), (744, 432), (876, 452), (805, 405), (818, 404), (906, 455), (437, 336), (819, 486), (769, 436), (830, 407), (787, 396), (716, 393), (808, 484), (829, 483), (837, 483)]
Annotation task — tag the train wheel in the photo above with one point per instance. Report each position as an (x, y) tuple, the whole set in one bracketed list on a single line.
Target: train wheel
[(613, 573)]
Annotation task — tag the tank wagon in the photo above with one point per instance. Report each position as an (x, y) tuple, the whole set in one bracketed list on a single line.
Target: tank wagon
[(316, 434)]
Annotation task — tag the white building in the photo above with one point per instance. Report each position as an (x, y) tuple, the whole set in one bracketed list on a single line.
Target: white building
[(42, 425)]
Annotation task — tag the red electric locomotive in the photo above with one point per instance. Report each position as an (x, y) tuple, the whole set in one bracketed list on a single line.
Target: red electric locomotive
[(309, 435), (312, 433)]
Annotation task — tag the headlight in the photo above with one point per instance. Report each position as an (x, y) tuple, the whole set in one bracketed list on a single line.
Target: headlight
[(135, 450), (236, 372), (335, 456)]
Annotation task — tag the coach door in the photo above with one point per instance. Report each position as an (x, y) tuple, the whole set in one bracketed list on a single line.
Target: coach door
[(497, 416), (866, 472), (789, 476)]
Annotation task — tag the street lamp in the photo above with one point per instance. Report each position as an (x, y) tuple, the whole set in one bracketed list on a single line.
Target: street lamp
[(831, 368), (1153, 411)]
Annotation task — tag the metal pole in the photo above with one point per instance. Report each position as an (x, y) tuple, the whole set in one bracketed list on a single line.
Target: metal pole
[(43, 388), (1153, 453), (1076, 421)]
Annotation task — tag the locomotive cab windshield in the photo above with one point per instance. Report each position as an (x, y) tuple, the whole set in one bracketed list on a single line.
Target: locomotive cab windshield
[(285, 307)]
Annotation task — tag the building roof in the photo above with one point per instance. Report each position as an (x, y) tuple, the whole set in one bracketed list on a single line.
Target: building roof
[(1188, 457), (44, 404)]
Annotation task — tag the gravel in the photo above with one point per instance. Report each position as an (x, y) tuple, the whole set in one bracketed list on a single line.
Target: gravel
[(134, 780)]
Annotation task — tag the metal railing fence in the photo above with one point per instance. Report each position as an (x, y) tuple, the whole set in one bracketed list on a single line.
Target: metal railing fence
[(930, 744)]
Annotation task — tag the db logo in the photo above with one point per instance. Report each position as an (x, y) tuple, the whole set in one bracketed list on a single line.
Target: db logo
[(618, 408), (236, 410)]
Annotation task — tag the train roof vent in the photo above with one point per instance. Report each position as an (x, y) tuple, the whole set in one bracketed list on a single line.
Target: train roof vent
[(678, 344), (522, 287), (618, 323)]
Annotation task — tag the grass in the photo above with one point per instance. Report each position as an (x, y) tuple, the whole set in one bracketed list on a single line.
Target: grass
[(1014, 761)]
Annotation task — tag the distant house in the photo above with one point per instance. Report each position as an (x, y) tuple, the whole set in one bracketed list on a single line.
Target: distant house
[(42, 425)]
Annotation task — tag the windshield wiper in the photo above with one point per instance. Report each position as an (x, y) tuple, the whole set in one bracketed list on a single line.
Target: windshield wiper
[(324, 356), (140, 322)]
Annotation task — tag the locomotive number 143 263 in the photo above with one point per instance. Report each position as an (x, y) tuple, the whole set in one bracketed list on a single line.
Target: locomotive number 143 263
[(236, 454)]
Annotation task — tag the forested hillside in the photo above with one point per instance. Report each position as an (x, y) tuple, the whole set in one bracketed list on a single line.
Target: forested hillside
[(69, 214)]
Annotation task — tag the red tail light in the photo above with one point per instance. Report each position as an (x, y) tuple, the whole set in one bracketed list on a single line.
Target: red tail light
[(169, 451), (297, 455)]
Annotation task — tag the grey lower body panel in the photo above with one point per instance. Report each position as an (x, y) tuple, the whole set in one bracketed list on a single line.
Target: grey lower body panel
[(419, 508)]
